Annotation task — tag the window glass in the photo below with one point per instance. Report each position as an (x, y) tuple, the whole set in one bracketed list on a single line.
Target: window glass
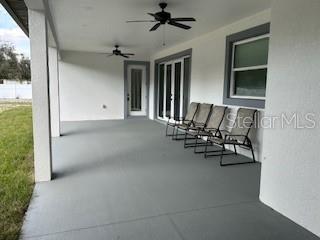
[(168, 91), (250, 54), (136, 85), (177, 89), (250, 83), (186, 80), (161, 88)]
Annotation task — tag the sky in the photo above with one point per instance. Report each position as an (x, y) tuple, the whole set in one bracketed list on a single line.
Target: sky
[(11, 32)]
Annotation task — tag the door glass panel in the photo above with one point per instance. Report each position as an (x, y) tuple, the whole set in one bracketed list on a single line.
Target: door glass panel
[(168, 91), (161, 89), (136, 84), (186, 82), (177, 87)]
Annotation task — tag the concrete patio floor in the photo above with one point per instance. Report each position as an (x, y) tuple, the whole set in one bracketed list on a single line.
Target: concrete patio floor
[(124, 180)]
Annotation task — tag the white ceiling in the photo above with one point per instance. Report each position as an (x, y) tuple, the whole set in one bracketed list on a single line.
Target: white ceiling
[(97, 25)]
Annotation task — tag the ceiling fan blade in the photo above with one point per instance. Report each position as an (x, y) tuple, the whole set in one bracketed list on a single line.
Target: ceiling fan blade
[(179, 25), (125, 56), (153, 15), (183, 19), (137, 21), (155, 27), (156, 17), (130, 54)]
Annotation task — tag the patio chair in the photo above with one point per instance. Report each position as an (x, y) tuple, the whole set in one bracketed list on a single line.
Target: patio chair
[(192, 109), (238, 136), (200, 119), (194, 136)]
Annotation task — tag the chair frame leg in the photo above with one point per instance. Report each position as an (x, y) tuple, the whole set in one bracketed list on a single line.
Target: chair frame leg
[(194, 139), (220, 151), (239, 163), (176, 134), (203, 144), (167, 130)]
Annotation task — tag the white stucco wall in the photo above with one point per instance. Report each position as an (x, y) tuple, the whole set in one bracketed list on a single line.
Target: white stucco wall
[(208, 67), (87, 82), (54, 91), (290, 181)]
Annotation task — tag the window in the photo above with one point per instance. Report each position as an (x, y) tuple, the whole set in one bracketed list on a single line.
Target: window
[(249, 68), (246, 67)]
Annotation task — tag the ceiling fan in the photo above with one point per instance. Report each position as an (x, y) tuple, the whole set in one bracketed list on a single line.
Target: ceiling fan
[(117, 52), (164, 17)]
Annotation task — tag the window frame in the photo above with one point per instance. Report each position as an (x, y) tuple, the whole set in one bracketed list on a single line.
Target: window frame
[(250, 35), (242, 69)]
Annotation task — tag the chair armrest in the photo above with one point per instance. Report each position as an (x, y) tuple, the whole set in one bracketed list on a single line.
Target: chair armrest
[(229, 136), (212, 129), (203, 125), (225, 131), (196, 128), (214, 132)]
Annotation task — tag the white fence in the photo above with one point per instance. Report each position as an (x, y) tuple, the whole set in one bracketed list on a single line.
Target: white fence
[(15, 91)]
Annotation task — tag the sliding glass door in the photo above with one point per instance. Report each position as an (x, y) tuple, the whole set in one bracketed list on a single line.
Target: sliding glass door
[(172, 88)]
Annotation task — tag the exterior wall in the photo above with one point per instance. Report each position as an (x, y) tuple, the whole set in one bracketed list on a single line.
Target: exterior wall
[(208, 67), (87, 82), (291, 167), (15, 90), (54, 91)]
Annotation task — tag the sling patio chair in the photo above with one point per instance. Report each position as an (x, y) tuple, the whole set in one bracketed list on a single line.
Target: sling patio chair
[(238, 136), (194, 136), (191, 112), (200, 119)]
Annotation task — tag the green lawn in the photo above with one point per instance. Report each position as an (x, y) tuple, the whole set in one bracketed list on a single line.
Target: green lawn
[(16, 168)]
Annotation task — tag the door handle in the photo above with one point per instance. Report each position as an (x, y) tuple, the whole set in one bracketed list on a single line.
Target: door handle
[(128, 97)]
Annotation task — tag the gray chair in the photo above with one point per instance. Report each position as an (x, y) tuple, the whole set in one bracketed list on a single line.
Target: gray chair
[(195, 135), (184, 121), (200, 119), (238, 136)]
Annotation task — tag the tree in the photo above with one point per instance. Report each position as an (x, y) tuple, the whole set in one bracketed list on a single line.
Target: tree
[(11, 67), (24, 69)]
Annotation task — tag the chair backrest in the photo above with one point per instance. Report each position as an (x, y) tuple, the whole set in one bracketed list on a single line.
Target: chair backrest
[(243, 122), (202, 114), (192, 109), (216, 117)]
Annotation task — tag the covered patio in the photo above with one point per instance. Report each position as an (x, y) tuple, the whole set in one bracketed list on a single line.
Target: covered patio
[(126, 180), (103, 166)]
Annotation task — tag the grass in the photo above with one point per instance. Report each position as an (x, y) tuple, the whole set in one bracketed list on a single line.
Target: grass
[(16, 168), (6, 105)]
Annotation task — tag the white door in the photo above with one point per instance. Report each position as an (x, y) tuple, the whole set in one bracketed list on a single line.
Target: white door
[(137, 90)]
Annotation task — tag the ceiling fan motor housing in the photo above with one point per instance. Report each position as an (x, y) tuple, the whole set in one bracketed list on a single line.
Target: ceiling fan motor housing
[(116, 51), (162, 17)]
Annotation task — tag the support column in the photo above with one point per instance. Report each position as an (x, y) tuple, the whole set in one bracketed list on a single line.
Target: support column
[(54, 92), (40, 96)]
